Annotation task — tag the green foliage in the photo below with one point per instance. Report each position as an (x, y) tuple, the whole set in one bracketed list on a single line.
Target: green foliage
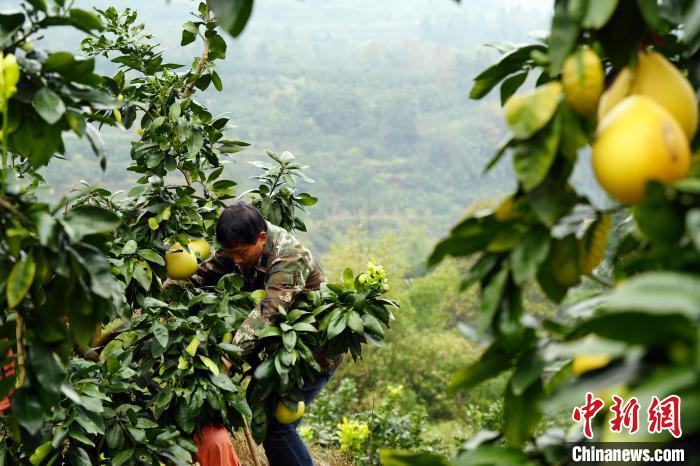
[(136, 393), (334, 421), (277, 197), (339, 318)]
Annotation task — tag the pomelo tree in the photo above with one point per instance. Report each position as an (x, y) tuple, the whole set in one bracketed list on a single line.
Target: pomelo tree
[(105, 361)]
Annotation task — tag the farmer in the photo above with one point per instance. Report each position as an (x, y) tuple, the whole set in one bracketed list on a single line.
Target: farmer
[(270, 258)]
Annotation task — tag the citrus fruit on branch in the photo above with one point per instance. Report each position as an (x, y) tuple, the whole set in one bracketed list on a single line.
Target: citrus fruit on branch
[(637, 142), (285, 415)]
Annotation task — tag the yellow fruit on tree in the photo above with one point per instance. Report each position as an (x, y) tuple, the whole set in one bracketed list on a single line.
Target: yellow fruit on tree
[(619, 89), (637, 142), (504, 211), (657, 78), (180, 264), (200, 247), (583, 79), (595, 244), (583, 363), (285, 415)]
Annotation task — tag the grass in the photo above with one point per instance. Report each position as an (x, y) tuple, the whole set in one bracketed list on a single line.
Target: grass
[(321, 457)]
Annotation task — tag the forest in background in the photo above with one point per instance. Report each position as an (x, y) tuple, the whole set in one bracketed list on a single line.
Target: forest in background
[(373, 98)]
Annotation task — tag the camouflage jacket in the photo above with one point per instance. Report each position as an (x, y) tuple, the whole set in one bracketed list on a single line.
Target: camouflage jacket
[(285, 270)]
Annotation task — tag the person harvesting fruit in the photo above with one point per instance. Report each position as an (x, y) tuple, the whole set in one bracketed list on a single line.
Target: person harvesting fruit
[(270, 258)]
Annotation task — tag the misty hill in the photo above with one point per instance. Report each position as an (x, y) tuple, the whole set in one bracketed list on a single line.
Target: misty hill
[(372, 95)]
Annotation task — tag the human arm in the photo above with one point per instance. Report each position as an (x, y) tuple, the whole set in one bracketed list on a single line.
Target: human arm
[(210, 271), (287, 276)]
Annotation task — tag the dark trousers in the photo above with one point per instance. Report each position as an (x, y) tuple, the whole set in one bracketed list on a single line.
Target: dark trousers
[(283, 446)]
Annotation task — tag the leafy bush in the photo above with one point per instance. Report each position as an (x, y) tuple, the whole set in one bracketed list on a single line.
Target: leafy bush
[(333, 421)]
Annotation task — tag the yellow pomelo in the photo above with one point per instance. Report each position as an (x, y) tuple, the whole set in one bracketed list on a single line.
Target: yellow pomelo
[(583, 79), (285, 415), (593, 250), (180, 264), (504, 211), (200, 247), (583, 363), (619, 89), (637, 142), (657, 78)]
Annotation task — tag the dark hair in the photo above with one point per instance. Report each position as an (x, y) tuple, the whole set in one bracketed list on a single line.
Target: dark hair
[(239, 223)]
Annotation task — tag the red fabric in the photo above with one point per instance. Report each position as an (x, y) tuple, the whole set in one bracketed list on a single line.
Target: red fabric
[(7, 371), (214, 447)]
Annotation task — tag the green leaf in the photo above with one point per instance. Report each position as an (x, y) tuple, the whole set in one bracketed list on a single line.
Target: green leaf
[(195, 143), (337, 325), (129, 247), (265, 370), (552, 200), (81, 438), (521, 413), (151, 256), (355, 323), (533, 159), (303, 327), (216, 80), (122, 457), (510, 63), (529, 254), (692, 224), (160, 332), (562, 38), (114, 436), (27, 410), (503, 147), (223, 382), (49, 105), (599, 12), (658, 293), (137, 434), (492, 294), (348, 278), (20, 280), (289, 340), (491, 363), (528, 370), (143, 274), (85, 20), (528, 113), (407, 458), (494, 455), (211, 365), (89, 220), (188, 36), (40, 453), (269, 331), (10, 23), (232, 15), (511, 85), (79, 457), (691, 27)]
